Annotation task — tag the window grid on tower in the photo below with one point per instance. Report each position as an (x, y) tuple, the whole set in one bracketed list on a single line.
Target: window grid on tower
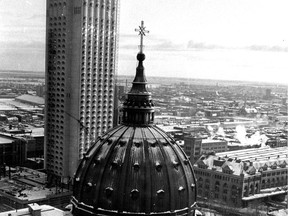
[(97, 63)]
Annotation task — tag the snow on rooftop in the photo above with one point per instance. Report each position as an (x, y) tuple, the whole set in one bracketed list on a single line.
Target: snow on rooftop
[(4, 140), (46, 210)]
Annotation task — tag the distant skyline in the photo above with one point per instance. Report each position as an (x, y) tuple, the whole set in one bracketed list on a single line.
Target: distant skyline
[(224, 39)]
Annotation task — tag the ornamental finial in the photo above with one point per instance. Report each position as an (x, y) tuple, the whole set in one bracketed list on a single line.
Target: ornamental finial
[(142, 32)]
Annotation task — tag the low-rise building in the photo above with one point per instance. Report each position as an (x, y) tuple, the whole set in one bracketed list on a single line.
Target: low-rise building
[(192, 147), (12, 151), (25, 186), (277, 142), (195, 146), (213, 145), (240, 178)]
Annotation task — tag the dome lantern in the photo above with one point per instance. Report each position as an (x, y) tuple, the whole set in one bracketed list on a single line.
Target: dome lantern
[(138, 109)]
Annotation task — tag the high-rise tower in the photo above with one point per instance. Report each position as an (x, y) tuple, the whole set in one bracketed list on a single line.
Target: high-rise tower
[(81, 52)]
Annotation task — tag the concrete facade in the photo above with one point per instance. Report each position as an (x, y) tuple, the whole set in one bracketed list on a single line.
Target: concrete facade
[(81, 58)]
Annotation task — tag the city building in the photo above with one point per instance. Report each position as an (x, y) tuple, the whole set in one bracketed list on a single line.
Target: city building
[(135, 168), (40, 90), (81, 57), (277, 142), (214, 145), (22, 145), (243, 178), (22, 186), (195, 146), (268, 93), (192, 147), (12, 151)]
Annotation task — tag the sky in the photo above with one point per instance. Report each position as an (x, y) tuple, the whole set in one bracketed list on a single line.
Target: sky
[(223, 39)]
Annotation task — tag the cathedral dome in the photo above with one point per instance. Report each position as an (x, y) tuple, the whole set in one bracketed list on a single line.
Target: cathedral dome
[(135, 168), (132, 170)]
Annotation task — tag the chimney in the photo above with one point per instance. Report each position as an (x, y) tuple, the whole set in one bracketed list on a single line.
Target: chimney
[(34, 209)]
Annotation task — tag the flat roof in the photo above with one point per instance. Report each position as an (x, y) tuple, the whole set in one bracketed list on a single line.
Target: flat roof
[(257, 154), (168, 128), (263, 194), (46, 210), (12, 105), (5, 140), (30, 193), (37, 132), (32, 99), (212, 141), (30, 182)]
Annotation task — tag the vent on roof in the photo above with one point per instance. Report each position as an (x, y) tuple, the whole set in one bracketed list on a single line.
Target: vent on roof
[(34, 209)]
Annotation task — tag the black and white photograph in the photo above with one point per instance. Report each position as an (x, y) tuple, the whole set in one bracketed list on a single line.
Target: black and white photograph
[(143, 107)]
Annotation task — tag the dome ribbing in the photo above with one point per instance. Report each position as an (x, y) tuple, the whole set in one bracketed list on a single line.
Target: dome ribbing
[(135, 170)]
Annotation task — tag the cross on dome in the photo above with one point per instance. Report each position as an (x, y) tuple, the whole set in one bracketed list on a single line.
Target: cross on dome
[(142, 32)]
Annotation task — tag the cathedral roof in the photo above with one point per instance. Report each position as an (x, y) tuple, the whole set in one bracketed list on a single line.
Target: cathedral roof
[(135, 168)]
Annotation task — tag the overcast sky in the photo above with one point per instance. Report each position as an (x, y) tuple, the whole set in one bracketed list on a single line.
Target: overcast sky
[(213, 39)]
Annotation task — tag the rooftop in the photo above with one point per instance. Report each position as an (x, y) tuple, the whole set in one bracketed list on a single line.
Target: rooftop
[(5, 140), (32, 99), (212, 141), (7, 104), (246, 162), (45, 210), (27, 184), (264, 154)]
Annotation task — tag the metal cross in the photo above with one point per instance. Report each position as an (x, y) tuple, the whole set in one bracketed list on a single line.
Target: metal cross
[(142, 32)]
